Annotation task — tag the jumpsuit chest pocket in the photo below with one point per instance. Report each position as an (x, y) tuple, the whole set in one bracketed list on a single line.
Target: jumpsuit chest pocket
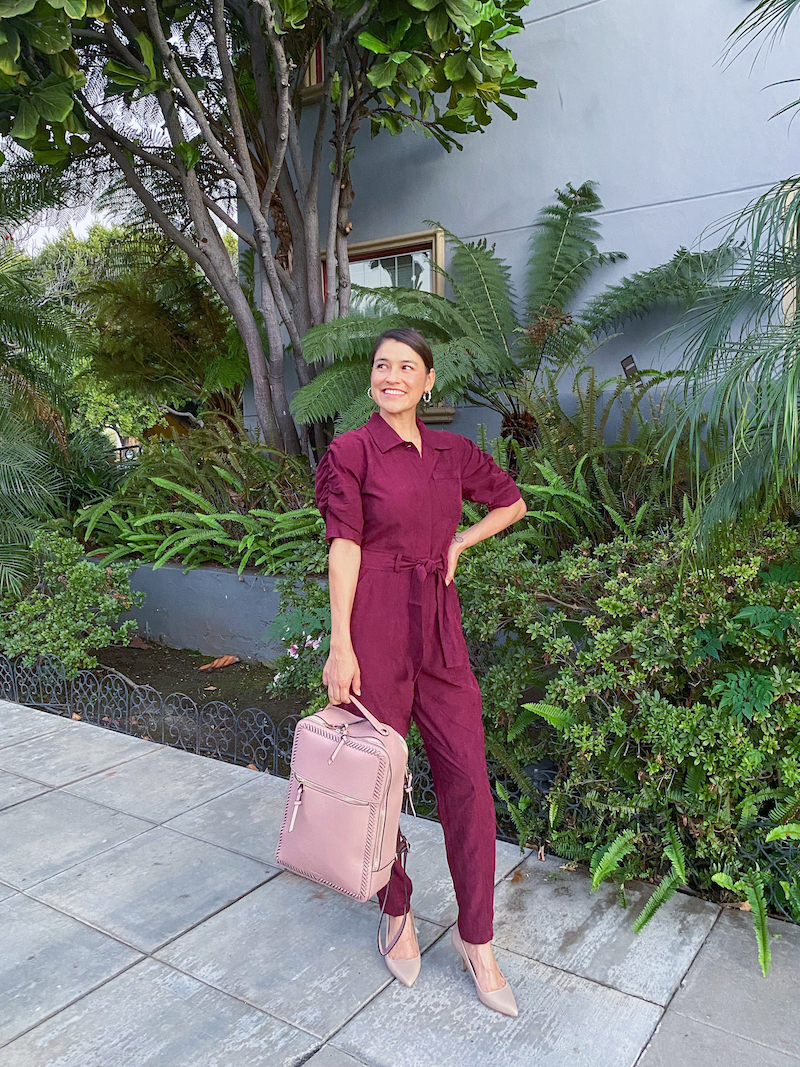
[(447, 489)]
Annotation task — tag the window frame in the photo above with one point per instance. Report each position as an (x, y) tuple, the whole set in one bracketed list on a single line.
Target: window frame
[(403, 244)]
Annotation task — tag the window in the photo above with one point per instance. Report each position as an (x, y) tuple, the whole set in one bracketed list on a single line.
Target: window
[(311, 89), (409, 261)]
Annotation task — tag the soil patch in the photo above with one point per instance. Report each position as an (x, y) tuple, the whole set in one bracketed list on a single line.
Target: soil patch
[(170, 670)]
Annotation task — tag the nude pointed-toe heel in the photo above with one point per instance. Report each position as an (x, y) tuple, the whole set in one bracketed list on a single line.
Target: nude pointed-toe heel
[(501, 999), (405, 971)]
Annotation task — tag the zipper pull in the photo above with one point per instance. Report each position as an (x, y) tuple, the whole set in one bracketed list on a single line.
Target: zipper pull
[(341, 742), (297, 801)]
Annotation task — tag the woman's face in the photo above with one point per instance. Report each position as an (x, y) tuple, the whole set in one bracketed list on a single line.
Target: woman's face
[(399, 378)]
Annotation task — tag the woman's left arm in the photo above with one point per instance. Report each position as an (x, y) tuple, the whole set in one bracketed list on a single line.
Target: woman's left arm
[(497, 519)]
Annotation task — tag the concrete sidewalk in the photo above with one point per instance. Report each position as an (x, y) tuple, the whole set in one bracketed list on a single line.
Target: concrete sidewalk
[(142, 921)]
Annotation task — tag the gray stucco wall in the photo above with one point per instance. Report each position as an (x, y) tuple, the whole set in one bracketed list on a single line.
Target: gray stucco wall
[(632, 94), (209, 610)]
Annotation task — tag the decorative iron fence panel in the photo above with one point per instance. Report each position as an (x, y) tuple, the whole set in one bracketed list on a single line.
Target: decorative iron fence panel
[(250, 737)]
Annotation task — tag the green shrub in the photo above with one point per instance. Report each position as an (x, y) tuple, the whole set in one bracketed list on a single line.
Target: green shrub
[(212, 495), (69, 605), (670, 704)]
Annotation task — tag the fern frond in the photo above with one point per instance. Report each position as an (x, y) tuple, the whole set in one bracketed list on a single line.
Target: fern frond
[(482, 284), (332, 391), (667, 888), (608, 863), (678, 283), (753, 884), (563, 249), (788, 832), (558, 717)]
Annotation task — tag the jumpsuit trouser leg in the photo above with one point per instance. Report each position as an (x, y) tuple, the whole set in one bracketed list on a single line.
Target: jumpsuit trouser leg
[(446, 705)]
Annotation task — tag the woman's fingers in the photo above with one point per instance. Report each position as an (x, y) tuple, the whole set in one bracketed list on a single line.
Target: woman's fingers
[(355, 684), (340, 678)]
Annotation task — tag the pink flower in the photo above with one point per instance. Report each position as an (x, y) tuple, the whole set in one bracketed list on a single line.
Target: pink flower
[(313, 642), (292, 650)]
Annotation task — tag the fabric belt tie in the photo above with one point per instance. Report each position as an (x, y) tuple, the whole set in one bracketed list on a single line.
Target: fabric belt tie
[(423, 569)]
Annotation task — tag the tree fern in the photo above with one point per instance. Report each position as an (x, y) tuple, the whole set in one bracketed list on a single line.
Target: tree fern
[(678, 284), (563, 249), (483, 291), (332, 391)]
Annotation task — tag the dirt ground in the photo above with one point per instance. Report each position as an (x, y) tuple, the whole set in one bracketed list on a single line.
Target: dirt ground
[(169, 670)]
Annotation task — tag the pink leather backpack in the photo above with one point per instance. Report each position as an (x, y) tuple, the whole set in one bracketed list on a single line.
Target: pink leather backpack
[(343, 807)]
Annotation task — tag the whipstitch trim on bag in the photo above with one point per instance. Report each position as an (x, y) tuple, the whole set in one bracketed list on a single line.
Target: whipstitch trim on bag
[(366, 871)]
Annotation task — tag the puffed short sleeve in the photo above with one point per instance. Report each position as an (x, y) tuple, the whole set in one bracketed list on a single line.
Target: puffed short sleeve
[(338, 493), (483, 482)]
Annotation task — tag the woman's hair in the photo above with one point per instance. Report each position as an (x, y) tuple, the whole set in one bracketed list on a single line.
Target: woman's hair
[(406, 336)]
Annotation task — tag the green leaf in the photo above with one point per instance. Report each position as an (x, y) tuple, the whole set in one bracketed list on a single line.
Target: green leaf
[(437, 23), (382, 75), (464, 13), (9, 51), (53, 101), (74, 9), (610, 860), (189, 152), (724, 880), (26, 122), (424, 5), (199, 501), (123, 75), (146, 48), (753, 885), (455, 67), (48, 34), (10, 8), (788, 832), (666, 889), (558, 717), (371, 42)]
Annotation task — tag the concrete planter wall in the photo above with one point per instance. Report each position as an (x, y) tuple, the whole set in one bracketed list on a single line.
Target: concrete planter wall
[(210, 609)]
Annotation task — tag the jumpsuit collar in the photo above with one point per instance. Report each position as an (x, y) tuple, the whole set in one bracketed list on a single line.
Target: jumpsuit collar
[(385, 437)]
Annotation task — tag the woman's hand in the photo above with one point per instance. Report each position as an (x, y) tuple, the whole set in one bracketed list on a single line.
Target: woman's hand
[(341, 673), (454, 551)]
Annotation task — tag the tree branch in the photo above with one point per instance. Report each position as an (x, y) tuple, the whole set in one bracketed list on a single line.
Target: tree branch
[(231, 94)]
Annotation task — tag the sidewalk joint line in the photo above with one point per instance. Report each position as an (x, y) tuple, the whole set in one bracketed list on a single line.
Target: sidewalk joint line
[(71, 1003)]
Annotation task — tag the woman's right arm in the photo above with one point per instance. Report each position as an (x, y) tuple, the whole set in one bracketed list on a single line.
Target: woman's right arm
[(341, 673)]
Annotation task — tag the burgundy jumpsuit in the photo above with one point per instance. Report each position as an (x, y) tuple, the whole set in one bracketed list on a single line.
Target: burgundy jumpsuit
[(403, 508)]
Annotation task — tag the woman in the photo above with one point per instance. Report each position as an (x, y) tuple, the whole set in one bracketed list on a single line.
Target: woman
[(391, 494)]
